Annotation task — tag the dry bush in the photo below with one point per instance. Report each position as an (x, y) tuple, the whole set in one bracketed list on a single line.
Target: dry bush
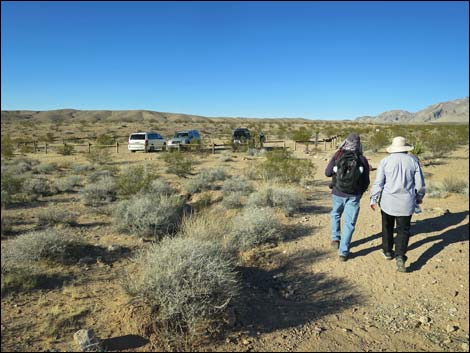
[(159, 187), (99, 156), (7, 147), (233, 200), (34, 188), (436, 192), (45, 168), (456, 186), (11, 185), (237, 185), (99, 193), (46, 245), (6, 225), (54, 216), (205, 180), (254, 226), (178, 163), (67, 183), (288, 199), (189, 283), (149, 215)]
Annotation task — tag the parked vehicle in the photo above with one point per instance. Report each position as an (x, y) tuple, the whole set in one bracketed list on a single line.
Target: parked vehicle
[(146, 141), (241, 135), (184, 138)]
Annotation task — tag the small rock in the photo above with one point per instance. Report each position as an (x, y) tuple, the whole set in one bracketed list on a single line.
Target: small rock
[(424, 319), (346, 330), (464, 346), (447, 340), (246, 342), (451, 328)]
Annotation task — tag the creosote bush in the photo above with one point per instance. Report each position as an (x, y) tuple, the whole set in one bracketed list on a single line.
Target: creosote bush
[(282, 167), (131, 180), (68, 183), (288, 199), (178, 163), (54, 216), (36, 187), (190, 283), (205, 180)]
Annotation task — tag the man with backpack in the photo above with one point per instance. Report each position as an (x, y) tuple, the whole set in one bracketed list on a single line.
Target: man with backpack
[(350, 172), (398, 189)]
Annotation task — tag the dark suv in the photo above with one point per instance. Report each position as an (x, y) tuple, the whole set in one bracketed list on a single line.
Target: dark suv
[(240, 135)]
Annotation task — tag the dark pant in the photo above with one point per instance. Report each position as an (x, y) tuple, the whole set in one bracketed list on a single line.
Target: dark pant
[(403, 234)]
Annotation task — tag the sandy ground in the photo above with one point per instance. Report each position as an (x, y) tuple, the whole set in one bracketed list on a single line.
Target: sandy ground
[(297, 296)]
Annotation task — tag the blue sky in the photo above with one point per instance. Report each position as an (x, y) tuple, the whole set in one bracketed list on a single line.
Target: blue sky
[(317, 60)]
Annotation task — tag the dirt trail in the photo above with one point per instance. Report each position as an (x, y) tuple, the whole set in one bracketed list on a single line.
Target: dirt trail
[(363, 304)]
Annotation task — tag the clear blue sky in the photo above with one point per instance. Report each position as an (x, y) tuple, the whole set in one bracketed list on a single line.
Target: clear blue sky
[(315, 60)]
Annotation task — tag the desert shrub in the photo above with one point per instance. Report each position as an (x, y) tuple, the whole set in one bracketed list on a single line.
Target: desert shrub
[(190, 283), (178, 163), (159, 187), (66, 150), (439, 144), (43, 245), (7, 147), (205, 180), (54, 216), (105, 140), (254, 226), (204, 200), (45, 168), (281, 166), (67, 183), (11, 185), (149, 215), (99, 156), (98, 175), (21, 167), (81, 168), (288, 199), (453, 185), (99, 193), (132, 180), (233, 200), (36, 187), (377, 141), (208, 226), (6, 225), (301, 134), (237, 185), (436, 192)]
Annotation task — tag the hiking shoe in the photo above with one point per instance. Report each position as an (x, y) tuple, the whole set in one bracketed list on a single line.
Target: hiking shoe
[(335, 244), (401, 265), (343, 258), (388, 255)]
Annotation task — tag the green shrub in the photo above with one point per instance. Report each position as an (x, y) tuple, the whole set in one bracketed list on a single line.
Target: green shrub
[(132, 180), (99, 156), (66, 150), (439, 145), (179, 164), (253, 227), (105, 140), (377, 141), (190, 283), (281, 166), (7, 147), (11, 185), (149, 215)]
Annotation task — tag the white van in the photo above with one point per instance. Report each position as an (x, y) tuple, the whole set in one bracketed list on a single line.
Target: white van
[(146, 141)]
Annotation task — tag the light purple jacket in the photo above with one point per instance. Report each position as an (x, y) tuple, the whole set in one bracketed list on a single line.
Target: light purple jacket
[(398, 185)]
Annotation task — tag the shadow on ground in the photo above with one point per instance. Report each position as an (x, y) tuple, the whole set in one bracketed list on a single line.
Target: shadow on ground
[(288, 295), (124, 343), (429, 225)]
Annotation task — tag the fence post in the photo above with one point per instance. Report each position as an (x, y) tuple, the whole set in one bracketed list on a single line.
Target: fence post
[(117, 147), (89, 147), (284, 144), (325, 145), (295, 145), (46, 148), (316, 141), (35, 146), (213, 148)]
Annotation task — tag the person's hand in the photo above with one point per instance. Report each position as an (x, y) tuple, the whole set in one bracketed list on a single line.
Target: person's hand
[(373, 206), (419, 202)]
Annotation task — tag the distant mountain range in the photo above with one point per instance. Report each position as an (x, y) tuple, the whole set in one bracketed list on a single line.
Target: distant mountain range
[(455, 111), (447, 112)]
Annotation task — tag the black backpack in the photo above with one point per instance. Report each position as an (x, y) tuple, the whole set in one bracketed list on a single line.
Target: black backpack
[(348, 178)]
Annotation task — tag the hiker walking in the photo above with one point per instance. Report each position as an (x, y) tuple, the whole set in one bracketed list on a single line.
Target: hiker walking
[(350, 172), (398, 190)]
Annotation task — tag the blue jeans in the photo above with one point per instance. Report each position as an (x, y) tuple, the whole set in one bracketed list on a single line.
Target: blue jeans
[(350, 207)]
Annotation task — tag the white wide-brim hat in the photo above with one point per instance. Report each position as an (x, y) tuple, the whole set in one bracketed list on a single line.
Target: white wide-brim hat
[(399, 145)]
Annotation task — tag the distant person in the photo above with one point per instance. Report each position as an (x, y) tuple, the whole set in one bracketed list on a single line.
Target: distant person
[(398, 189), (350, 172)]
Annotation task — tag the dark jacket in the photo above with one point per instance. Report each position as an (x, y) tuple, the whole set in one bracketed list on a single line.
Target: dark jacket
[(366, 181)]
